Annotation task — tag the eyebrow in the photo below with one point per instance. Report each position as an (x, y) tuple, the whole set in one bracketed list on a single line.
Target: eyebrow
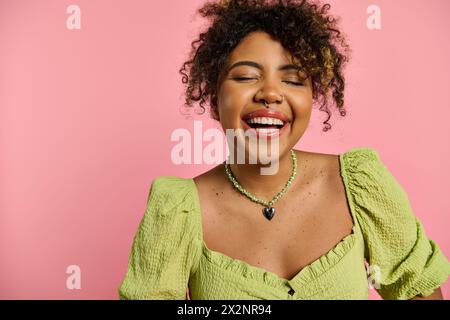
[(260, 67)]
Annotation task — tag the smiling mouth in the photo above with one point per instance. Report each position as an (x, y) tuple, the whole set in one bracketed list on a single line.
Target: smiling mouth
[(258, 124)]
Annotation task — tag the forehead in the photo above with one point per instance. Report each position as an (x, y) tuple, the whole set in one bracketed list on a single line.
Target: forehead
[(260, 47)]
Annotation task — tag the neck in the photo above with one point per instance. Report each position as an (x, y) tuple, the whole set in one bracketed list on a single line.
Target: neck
[(266, 187)]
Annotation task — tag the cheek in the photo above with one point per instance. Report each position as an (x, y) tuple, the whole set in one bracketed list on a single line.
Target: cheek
[(302, 107), (231, 97), (231, 101)]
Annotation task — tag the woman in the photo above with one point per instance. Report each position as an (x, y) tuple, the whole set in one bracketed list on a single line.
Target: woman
[(305, 231)]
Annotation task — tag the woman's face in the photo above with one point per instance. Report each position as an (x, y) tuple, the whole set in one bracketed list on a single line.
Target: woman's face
[(261, 76)]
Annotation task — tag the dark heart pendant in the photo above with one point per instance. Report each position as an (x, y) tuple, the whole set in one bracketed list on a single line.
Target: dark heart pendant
[(269, 212)]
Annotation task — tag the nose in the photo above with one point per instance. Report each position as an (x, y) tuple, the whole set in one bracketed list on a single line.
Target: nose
[(269, 93)]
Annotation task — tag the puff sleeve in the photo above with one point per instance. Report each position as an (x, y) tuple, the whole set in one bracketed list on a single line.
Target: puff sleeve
[(409, 263), (165, 247)]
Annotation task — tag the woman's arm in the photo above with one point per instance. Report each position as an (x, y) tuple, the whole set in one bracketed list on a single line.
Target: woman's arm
[(436, 295)]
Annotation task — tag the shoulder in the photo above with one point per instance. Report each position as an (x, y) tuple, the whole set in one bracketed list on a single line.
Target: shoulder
[(378, 199), (354, 154), (209, 182), (368, 178), (367, 174), (169, 195), (169, 182), (373, 192), (324, 166), (170, 185), (360, 156)]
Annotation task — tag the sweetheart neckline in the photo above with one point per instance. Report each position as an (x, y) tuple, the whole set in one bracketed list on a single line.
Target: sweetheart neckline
[(339, 250)]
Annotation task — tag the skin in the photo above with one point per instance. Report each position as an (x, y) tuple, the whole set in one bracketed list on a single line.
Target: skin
[(304, 227), (238, 97)]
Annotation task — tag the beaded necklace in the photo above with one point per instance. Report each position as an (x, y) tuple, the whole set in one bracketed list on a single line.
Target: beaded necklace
[(268, 210)]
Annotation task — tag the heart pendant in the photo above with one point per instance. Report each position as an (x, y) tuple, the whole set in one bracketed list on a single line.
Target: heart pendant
[(269, 212)]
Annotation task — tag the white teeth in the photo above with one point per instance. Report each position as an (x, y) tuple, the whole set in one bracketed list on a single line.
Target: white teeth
[(265, 120)]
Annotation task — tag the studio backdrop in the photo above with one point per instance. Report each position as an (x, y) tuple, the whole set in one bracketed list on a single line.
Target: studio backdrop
[(91, 100)]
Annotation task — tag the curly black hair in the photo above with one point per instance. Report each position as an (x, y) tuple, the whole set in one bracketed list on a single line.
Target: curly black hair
[(303, 27)]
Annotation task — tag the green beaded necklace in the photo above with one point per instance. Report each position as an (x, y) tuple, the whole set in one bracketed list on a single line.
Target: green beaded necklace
[(268, 210)]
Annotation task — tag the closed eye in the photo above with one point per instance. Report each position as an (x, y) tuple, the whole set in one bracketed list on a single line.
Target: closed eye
[(290, 82), (295, 83), (243, 78)]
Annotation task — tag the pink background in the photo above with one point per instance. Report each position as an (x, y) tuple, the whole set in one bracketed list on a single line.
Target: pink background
[(86, 118)]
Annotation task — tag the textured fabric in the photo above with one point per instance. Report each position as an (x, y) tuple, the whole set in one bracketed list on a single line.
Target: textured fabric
[(168, 252)]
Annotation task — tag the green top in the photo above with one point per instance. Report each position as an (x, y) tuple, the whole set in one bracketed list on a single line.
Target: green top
[(169, 254)]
